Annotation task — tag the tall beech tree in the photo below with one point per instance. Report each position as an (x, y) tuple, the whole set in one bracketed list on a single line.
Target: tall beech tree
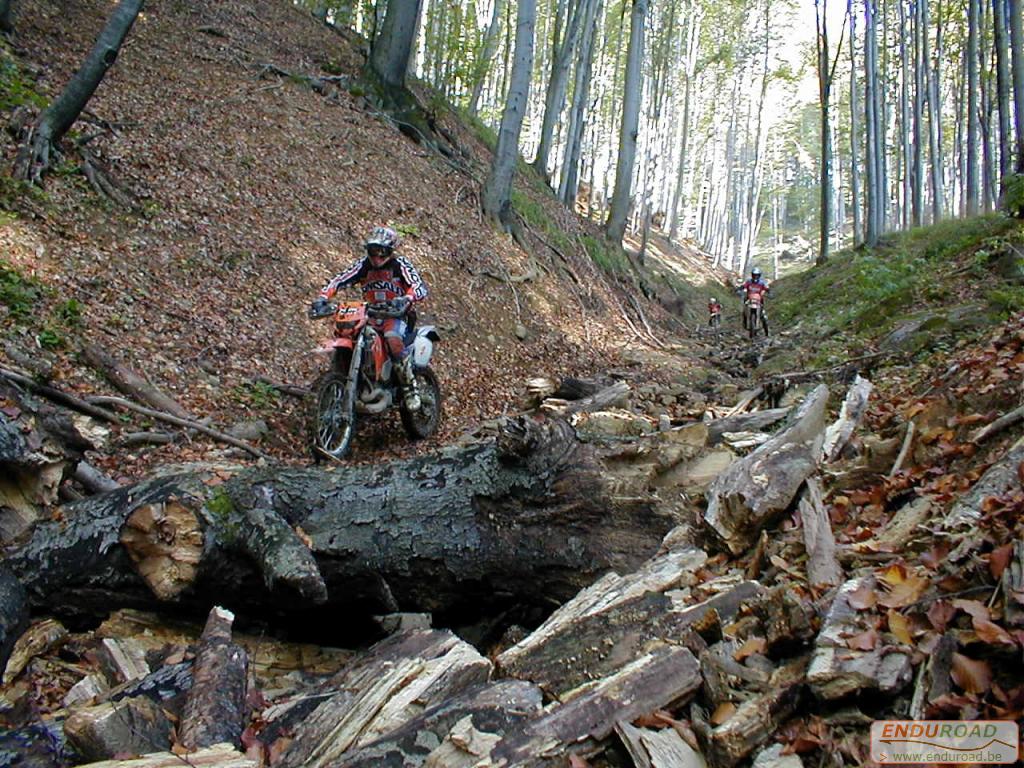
[(35, 154), (619, 211), (497, 192), (389, 57)]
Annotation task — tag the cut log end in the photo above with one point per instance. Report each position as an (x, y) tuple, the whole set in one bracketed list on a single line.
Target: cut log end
[(165, 541)]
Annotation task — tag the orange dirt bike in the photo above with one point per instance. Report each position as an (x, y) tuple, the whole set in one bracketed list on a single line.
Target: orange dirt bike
[(755, 317), (362, 379)]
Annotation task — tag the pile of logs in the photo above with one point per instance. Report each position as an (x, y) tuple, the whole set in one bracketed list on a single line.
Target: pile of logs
[(661, 651)]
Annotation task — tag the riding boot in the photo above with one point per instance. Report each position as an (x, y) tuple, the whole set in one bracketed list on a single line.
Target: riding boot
[(407, 380)]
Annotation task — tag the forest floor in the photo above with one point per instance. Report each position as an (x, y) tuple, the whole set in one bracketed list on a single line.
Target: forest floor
[(253, 189)]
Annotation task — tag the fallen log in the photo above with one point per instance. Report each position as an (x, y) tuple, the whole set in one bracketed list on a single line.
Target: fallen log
[(132, 384), (215, 709), (219, 756), (754, 490), (854, 406), (533, 513), (1013, 587), (998, 479), (754, 421), (658, 749), (58, 396)]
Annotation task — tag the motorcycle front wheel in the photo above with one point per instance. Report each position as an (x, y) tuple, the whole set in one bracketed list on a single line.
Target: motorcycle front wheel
[(333, 421), (424, 422)]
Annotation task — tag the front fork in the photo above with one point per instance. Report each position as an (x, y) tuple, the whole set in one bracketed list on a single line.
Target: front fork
[(351, 375)]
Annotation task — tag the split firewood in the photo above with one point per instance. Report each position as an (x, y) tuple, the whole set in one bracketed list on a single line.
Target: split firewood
[(773, 757), (933, 678), (658, 749), (573, 651), (753, 491), (219, 756), (616, 395), (130, 726), (122, 660), (132, 384), (755, 720), (1001, 477), (837, 670), (664, 677), (445, 529), (382, 692), (215, 708), (755, 421), (745, 401), (854, 406), (464, 728), (822, 565)]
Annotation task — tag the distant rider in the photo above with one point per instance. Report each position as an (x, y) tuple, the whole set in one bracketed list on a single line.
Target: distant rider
[(714, 310), (755, 286), (386, 277)]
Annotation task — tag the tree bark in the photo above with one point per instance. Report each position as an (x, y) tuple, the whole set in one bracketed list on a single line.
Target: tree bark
[(34, 156), (13, 613), (999, 29), (934, 118), (489, 48), (569, 184), (389, 57), (1017, 66), (531, 517), (971, 147), (619, 212), (215, 708), (855, 190), (824, 95), (497, 192), (554, 99)]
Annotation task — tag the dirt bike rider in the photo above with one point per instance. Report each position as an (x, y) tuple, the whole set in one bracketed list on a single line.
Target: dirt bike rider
[(386, 277), (755, 286), (714, 309)]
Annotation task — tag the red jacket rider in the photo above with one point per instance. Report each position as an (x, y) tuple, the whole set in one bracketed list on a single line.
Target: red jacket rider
[(386, 277)]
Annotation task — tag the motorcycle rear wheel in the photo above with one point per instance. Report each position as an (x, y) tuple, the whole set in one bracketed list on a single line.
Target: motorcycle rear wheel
[(424, 422), (333, 420)]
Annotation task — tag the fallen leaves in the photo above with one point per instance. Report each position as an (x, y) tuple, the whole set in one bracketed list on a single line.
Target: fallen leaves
[(971, 675)]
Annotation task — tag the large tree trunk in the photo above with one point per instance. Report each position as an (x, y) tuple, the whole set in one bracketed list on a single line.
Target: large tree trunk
[(389, 58), (619, 212), (497, 193), (528, 518), (34, 156)]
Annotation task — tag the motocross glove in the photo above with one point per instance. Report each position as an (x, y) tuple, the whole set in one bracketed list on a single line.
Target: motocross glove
[(319, 307), (401, 303)]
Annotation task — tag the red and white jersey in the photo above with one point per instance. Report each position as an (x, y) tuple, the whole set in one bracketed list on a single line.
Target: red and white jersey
[(754, 288), (397, 277)]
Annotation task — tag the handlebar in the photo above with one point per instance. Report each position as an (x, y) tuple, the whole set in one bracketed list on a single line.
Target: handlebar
[(386, 309)]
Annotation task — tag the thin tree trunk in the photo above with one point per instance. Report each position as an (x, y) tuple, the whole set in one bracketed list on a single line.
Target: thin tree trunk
[(907, 168), (935, 117), (985, 107), (824, 94), (54, 122), (1017, 64), (497, 193), (578, 112), (871, 165), (754, 189), (855, 190), (692, 37), (616, 228), (920, 74), (999, 22), (554, 99), (971, 165), (490, 47)]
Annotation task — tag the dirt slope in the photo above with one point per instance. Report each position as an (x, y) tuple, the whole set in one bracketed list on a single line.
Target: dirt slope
[(253, 190)]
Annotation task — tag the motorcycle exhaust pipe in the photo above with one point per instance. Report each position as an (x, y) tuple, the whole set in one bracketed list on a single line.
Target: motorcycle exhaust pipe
[(377, 406)]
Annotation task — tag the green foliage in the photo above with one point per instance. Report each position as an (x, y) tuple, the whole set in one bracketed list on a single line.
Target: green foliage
[(258, 395), (12, 190), (17, 292), (1013, 194), (332, 68), (607, 256), (70, 313), (50, 338), (533, 213), (407, 230), (16, 90), (1007, 300)]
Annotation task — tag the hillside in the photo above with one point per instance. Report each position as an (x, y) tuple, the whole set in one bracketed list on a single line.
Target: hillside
[(253, 189)]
